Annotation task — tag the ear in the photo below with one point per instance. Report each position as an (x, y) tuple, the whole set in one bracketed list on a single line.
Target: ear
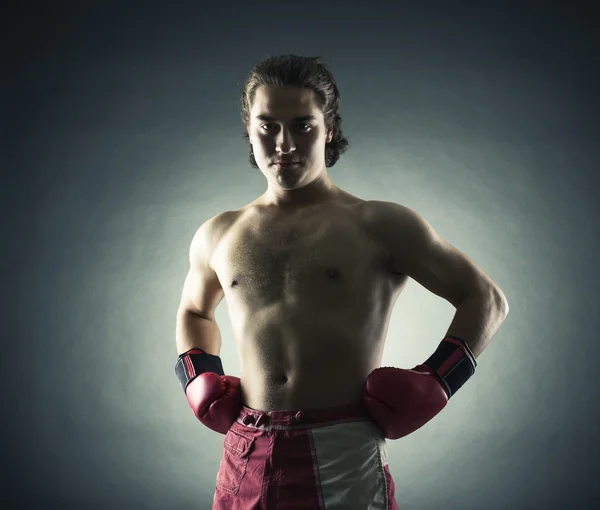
[(329, 136)]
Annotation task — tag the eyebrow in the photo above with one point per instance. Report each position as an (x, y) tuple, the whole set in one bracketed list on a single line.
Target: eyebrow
[(305, 117)]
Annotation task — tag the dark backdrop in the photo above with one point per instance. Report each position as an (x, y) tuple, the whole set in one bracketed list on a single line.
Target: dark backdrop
[(121, 135)]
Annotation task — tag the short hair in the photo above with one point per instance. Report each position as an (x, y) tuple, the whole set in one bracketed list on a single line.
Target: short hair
[(304, 72)]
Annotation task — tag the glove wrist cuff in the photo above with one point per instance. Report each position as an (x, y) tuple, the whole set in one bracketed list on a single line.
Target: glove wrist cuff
[(194, 362), (453, 362)]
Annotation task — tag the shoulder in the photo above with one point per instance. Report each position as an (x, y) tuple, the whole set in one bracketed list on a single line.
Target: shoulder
[(213, 229), (405, 236), (386, 218)]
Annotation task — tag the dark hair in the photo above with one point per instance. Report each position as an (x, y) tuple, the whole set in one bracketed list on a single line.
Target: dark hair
[(305, 72)]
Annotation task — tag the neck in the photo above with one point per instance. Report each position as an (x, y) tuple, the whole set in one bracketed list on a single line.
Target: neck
[(321, 190)]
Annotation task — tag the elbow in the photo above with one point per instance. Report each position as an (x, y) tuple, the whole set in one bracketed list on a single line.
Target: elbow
[(501, 301)]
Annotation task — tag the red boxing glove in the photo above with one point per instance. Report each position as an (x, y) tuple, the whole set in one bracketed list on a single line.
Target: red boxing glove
[(402, 401), (215, 398)]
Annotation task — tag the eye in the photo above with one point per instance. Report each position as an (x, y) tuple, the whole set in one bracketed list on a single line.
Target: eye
[(303, 125)]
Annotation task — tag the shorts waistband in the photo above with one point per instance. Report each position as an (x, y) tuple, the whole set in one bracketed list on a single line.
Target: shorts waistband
[(256, 418)]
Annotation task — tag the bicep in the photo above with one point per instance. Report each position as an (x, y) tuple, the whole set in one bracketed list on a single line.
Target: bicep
[(423, 255), (202, 290)]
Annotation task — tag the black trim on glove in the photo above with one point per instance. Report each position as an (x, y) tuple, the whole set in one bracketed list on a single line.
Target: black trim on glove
[(194, 362)]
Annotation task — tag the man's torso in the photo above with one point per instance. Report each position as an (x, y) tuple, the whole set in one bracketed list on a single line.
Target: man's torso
[(309, 299)]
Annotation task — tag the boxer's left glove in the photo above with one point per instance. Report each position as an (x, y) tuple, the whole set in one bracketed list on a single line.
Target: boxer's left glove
[(401, 401), (215, 398)]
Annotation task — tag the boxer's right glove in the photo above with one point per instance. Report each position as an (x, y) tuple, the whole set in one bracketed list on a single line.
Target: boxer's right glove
[(215, 398)]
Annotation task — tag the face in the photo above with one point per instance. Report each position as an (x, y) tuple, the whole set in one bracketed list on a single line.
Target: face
[(287, 125)]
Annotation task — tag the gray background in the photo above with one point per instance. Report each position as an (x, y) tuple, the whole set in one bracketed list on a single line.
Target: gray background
[(121, 135)]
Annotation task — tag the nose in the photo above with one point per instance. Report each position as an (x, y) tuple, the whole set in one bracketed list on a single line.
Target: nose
[(285, 142)]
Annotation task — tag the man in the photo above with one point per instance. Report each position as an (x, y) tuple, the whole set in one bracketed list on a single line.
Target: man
[(311, 274)]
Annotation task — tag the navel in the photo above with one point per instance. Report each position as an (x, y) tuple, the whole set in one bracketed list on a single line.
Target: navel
[(332, 272)]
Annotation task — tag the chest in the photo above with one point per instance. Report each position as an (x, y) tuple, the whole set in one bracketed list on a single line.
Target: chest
[(274, 252)]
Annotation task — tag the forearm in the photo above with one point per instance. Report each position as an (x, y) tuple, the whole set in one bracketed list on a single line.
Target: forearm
[(214, 397), (477, 319), (192, 330)]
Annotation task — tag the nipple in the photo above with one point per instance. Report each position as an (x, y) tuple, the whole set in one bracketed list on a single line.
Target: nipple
[(282, 379)]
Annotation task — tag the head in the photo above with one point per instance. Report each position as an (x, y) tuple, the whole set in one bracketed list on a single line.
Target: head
[(290, 113)]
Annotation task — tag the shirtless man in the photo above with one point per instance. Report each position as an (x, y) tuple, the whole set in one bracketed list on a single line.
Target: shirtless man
[(311, 274)]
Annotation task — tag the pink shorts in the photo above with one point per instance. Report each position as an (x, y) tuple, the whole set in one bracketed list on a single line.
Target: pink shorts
[(322, 459)]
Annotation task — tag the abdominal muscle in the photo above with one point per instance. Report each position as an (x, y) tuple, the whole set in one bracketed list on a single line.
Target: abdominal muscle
[(293, 359)]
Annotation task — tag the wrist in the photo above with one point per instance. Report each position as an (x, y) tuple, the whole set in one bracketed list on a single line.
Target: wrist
[(452, 363), (194, 362)]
